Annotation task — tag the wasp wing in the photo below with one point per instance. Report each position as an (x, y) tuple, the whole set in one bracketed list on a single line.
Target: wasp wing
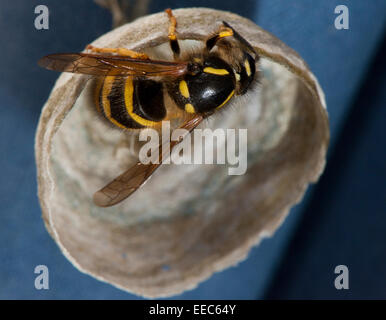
[(104, 65), (128, 182)]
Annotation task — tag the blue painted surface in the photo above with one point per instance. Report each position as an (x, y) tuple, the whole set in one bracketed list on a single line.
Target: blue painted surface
[(338, 58)]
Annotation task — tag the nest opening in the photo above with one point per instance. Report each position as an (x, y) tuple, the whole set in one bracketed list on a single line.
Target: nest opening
[(187, 221)]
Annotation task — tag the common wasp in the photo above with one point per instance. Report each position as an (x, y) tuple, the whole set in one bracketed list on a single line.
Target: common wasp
[(131, 89)]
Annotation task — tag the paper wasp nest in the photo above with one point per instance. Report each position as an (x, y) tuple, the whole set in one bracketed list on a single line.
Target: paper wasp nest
[(188, 221)]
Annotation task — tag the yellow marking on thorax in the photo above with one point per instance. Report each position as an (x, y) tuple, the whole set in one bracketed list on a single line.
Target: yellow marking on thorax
[(107, 86), (184, 89), (219, 72), (189, 108), (226, 100), (129, 89), (247, 67)]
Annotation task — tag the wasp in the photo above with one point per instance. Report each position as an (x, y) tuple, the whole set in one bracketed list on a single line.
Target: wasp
[(131, 89)]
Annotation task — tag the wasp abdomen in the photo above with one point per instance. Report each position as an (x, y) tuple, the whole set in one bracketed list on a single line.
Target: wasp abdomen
[(131, 103)]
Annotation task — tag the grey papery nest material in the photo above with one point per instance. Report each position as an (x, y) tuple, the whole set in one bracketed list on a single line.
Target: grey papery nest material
[(188, 221)]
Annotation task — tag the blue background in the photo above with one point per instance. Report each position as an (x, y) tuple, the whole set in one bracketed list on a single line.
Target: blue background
[(342, 219)]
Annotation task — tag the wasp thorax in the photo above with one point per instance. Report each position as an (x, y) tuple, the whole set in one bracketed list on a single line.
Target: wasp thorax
[(209, 88)]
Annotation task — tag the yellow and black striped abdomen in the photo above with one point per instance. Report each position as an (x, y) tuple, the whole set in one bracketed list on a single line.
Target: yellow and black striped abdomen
[(130, 103)]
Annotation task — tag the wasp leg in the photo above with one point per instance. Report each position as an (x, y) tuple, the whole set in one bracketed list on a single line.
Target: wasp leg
[(172, 33), (119, 51), (223, 32)]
